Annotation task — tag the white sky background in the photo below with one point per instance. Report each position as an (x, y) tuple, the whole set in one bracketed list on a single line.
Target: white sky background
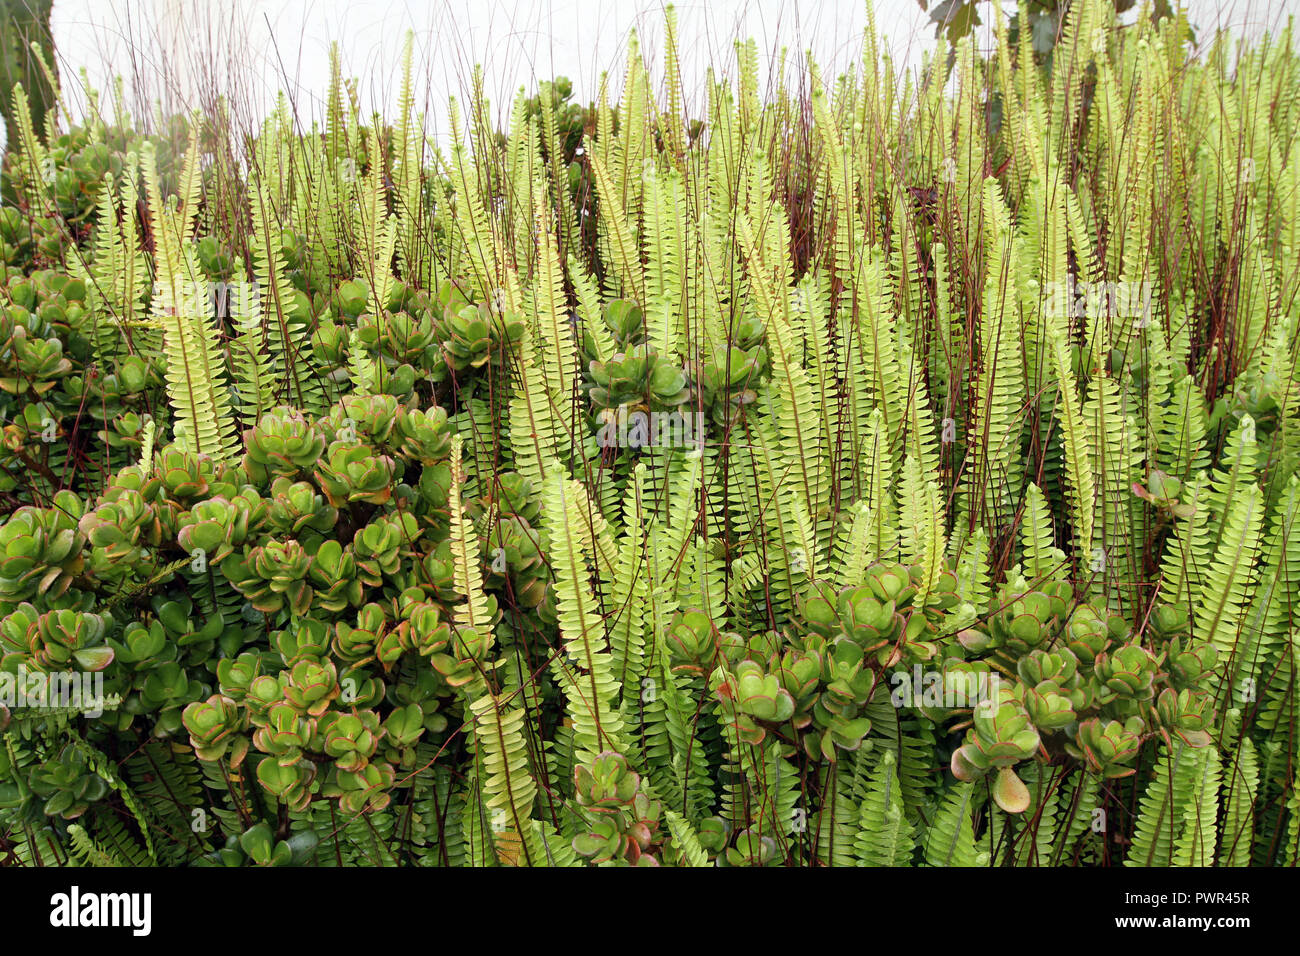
[(170, 49)]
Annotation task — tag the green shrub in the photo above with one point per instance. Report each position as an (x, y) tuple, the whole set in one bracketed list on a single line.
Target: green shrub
[(849, 478)]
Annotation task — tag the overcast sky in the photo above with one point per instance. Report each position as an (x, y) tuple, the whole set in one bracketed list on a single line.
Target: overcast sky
[(256, 47)]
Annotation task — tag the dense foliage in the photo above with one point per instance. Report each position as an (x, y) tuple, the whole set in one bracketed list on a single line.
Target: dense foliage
[(877, 472)]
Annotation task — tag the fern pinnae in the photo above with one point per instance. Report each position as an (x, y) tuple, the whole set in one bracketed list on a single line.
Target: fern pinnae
[(195, 371), (557, 349), (922, 521), (950, 837), (625, 254), (885, 837), (686, 841), (1197, 843), (587, 678), (285, 334), (798, 420), (1160, 816), (508, 783), (1239, 504), (1241, 786), (1076, 438), (475, 611)]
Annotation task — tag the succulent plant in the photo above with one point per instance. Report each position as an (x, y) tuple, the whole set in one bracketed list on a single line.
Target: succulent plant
[(400, 336), (352, 472), (423, 435), (1029, 619), (285, 735), (1052, 688), (311, 687), (67, 784), (402, 730), (752, 848), (273, 576), (214, 727), (471, 336), (361, 418), (257, 845), (59, 637), (297, 506), (837, 713), (379, 547), (462, 663), (1086, 634), (638, 376), (41, 550), (623, 817), (1187, 713), (185, 474), (165, 692), (235, 675), (363, 791), (1190, 661), (143, 647), (38, 364), (291, 784), (691, 642), (284, 444), (329, 345), (1106, 746), (428, 633), (729, 378), (1127, 672), (217, 526), (351, 739), (750, 697), (1002, 736), (334, 578)]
